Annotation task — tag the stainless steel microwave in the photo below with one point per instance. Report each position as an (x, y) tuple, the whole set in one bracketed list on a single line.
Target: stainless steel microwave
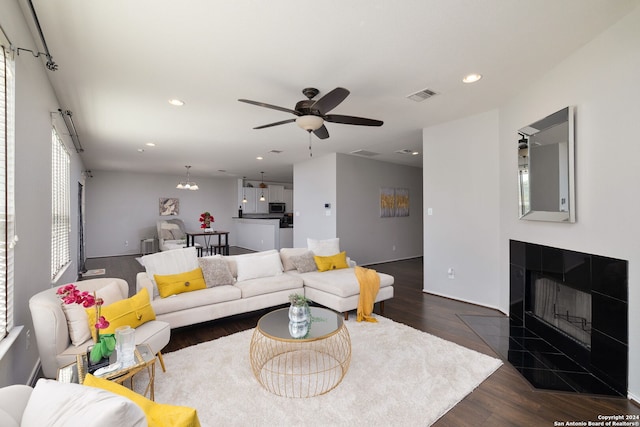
[(277, 207)]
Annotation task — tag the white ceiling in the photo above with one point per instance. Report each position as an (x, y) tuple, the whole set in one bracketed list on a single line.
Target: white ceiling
[(121, 60)]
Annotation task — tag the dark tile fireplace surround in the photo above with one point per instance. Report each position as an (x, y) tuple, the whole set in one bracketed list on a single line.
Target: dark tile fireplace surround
[(568, 328)]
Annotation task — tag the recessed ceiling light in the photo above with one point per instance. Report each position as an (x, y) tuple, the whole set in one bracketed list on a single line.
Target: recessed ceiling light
[(472, 78), (140, 150), (150, 144), (176, 102), (259, 158), (415, 153)]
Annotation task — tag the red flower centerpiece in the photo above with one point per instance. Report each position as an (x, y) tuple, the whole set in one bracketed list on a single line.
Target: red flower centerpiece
[(205, 220), (105, 343)]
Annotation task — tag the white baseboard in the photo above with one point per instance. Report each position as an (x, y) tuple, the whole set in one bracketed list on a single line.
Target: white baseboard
[(464, 300)]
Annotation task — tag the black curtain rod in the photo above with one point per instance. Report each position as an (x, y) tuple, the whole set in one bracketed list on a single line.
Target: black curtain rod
[(67, 118), (51, 65)]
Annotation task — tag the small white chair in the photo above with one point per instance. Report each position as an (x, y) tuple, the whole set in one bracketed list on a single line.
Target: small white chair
[(52, 332)]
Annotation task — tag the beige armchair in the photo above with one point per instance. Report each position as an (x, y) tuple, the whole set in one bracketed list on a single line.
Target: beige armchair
[(172, 235), (52, 332)]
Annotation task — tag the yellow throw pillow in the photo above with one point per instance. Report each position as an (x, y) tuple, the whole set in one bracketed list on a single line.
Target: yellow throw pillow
[(158, 414), (132, 311), (333, 262), (173, 284)]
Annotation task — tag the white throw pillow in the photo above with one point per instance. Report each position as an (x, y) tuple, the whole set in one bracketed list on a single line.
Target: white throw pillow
[(175, 261), (76, 314), (326, 247), (58, 404), (259, 266), (233, 266)]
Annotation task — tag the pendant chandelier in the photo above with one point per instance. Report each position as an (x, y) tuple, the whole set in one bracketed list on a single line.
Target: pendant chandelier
[(244, 192), (188, 184), (262, 199)]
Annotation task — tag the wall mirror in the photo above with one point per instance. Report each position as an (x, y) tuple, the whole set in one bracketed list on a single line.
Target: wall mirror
[(546, 168)]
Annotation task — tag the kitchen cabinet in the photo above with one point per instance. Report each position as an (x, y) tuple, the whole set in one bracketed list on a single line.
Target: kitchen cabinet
[(288, 199), (262, 206), (250, 206), (253, 204), (276, 193)]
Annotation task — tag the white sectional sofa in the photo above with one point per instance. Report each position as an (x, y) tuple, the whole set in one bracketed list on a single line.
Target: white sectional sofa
[(276, 279)]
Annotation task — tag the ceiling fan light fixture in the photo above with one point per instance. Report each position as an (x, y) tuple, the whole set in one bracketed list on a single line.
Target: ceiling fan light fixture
[(310, 122)]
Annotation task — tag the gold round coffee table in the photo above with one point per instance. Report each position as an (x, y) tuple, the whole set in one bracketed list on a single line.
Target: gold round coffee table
[(300, 367)]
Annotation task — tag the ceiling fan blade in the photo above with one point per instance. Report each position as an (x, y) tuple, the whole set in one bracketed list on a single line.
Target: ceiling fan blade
[(276, 124), (331, 100), (273, 107), (322, 132), (351, 120)]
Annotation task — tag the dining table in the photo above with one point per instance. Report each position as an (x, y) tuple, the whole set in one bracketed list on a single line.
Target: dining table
[(221, 248)]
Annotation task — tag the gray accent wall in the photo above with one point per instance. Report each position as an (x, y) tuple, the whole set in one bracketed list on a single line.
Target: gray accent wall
[(123, 208), (351, 186)]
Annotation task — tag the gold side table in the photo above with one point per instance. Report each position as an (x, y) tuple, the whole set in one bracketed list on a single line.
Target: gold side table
[(145, 359), (300, 367)]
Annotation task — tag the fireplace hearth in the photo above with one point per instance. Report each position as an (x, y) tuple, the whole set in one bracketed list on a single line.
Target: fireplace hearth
[(577, 304), (567, 328)]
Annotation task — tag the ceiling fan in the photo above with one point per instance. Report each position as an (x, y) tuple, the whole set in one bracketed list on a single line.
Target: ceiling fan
[(312, 114)]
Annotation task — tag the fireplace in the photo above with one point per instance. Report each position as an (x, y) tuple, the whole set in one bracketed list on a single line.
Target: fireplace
[(568, 319), (563, 308)]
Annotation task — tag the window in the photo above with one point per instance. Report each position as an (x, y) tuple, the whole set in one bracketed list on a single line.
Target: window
[(7, 218), (60, 221)]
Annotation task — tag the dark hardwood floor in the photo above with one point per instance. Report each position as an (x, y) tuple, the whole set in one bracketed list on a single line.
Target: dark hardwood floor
[(504, 399)]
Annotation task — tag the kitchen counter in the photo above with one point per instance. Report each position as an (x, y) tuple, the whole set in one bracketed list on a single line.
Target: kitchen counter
[(263, 233)]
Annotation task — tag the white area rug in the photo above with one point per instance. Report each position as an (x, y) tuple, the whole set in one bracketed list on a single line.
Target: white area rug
[(398, 376)]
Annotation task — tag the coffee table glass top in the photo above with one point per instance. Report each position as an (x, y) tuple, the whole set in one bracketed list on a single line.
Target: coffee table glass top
[(323, 323)]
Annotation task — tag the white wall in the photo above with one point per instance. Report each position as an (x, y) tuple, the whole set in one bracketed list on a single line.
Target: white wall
[(124, 207), (365, 236), (35, 100), (600, 79), (314, 184), (461, 188)]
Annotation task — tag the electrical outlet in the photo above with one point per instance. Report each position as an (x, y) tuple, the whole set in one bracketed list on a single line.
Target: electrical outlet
[(126, 243), (451, 273), (393, 248), (28, 336)]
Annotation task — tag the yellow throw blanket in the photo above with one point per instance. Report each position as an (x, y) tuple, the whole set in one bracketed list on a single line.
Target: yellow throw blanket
[(369, 286)]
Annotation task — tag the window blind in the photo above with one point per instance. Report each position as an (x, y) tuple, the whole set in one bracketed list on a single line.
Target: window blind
[(60, 221), (7, 211)]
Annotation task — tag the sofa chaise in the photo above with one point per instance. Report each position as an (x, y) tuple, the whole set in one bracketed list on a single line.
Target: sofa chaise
[(251, 282)]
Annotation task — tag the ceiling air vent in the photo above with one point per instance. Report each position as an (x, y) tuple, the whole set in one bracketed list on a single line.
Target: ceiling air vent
[(422, 95), (275, 151), (365, 153), (404, 151)]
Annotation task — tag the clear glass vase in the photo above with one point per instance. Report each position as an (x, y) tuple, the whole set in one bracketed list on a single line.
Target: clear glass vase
[(299, 313)]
